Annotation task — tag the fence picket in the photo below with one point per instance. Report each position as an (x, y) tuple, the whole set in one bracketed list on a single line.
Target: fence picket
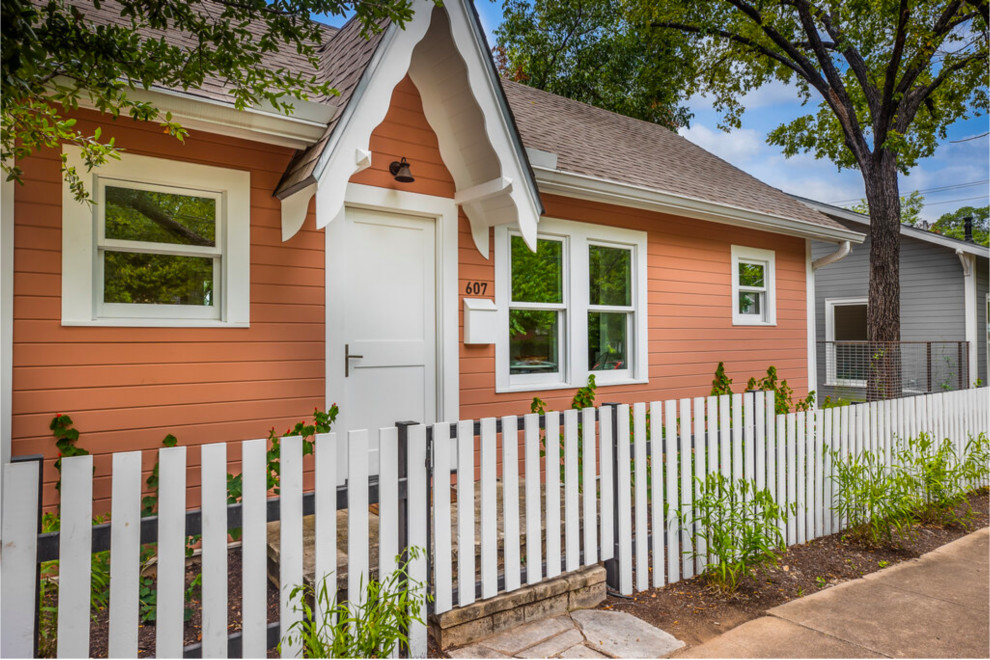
[(780, 466), (589, 471), (214, 545), (417, 525), (623, 504), (827, 441), (639, 501), (125, 555), (605, 480), (18, 567), (75, 563), (290, 555), (737, 437), (171, 552), (749, 427), (791, 479), (572, 536), (534, 529), (656, 494), (672, 499), (700, 470), (489, 512), (465, 513), (684, 458), (510, 502), (553, 493), (725, 435), (801, 475), (760, 430), (712, 409), (819, 472), (443, 569), (325, 516), (254, 551), (357, 515)]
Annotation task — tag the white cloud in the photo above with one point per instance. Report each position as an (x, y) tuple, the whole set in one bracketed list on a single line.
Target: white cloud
[(737, 147)]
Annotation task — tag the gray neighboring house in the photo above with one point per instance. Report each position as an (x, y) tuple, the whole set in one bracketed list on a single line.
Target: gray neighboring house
[(945, 299)]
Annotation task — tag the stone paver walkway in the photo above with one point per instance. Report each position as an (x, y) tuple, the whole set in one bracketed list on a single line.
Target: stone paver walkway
[(580, 634), (936, 606)]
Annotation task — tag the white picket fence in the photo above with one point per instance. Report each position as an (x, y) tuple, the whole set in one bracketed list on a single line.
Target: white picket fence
[(624, 478)]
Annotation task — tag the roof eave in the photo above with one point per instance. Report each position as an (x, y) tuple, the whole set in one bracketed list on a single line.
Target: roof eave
[(582, 186)]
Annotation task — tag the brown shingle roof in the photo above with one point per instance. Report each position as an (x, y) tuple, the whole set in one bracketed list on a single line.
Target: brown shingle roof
[(602, 144)]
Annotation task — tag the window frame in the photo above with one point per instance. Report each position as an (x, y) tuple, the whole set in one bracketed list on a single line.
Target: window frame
[(831, 358), (84, 243), (574, 371), (767, 258)]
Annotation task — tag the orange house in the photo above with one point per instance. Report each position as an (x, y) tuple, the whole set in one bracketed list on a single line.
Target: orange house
[(272, 265)]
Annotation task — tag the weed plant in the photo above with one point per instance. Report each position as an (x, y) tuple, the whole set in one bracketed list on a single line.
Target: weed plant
[(372, 629), (738, 527), (934, 478), (873, 499)]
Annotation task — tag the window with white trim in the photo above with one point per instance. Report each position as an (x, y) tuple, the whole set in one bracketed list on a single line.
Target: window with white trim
[(575, 306), (165, 244), (845, 342), (753, 286)]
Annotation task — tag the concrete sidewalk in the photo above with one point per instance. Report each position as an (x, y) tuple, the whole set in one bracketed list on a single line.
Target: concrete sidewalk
[(937, 606)]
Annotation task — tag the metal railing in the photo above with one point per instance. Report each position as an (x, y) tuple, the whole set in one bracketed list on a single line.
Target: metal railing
[(858, 370)]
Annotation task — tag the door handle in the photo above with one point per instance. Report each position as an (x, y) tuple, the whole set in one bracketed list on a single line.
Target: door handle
[(347, 359)]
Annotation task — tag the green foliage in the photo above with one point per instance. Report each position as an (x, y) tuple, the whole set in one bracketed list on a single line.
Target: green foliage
[(873, 499), (952, 225), (934, 478), (911, 205), (588, 51), (55, 59), (976, 465), (583, 398), (735, 529), (370, 630), (721, 384), (65, 440), (149, 503), (783, 394)]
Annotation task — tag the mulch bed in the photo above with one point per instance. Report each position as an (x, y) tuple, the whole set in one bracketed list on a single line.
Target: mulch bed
[(694, 612)]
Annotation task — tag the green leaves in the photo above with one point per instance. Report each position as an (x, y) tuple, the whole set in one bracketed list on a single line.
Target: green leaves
[(55, 58)]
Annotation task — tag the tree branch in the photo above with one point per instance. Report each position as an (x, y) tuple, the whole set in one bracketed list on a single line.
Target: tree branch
[(913, 100), (881, 120), (147, 208), (737, 38), (920, 61)]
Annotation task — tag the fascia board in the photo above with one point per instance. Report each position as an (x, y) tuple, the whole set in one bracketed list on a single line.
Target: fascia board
[(594, 189)]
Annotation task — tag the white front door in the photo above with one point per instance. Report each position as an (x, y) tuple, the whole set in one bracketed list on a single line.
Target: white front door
[(381, 330)]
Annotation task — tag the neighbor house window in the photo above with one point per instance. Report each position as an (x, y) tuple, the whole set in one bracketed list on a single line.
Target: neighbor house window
[(166, 243), (846, 350), (575, 306), (753, 290)]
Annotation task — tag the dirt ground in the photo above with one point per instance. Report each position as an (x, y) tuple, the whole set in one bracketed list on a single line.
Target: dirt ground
[(694, 612)]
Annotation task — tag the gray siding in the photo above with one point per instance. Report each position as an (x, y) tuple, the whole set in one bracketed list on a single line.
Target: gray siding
[(982, 289), (932, 296)]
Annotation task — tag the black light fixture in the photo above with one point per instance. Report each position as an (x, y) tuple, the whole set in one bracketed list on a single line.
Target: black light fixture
[(400, 170)]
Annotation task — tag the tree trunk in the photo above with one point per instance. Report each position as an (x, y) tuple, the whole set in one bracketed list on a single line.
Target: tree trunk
[(883, 318)]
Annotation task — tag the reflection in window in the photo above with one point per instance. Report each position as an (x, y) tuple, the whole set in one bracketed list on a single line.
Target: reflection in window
[(537, 307)]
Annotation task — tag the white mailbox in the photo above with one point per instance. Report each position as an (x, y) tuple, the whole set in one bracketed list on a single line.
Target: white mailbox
[(479, 321)]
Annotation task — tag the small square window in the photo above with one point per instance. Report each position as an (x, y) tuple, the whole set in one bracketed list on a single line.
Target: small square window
[(753, 286), (167, 243)]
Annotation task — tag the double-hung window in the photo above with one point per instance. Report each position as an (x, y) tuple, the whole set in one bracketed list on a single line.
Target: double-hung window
[(573, 307), (753, 286), (166, 243)]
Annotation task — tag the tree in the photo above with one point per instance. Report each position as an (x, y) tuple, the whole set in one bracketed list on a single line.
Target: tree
[(952, 224), (911, 205), (55, 57), (889, 76), (587, 51)]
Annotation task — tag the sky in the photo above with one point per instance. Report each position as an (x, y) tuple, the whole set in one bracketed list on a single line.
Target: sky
[(957, 175)]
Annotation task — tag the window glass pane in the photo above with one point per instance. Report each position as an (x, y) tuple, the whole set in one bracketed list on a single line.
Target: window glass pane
[(607, 341), (537, 276), (533, 342), (750, 303), (157, 279), (850, 322), (751, 274), (143, 215), (609, 275)]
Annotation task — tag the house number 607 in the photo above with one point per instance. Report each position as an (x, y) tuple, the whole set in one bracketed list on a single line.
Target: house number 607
[(476, 288)]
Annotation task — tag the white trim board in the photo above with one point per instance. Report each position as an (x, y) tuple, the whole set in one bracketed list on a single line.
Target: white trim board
[(6, 321), (444, 212), (812, 325), (743, 253)]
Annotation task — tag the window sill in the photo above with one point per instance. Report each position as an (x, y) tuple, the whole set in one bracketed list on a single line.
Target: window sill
[(846, 383), (747, 322), (155, 323), (569, 386)]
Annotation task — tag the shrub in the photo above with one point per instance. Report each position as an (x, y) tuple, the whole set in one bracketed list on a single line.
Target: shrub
[(976, 466), (370, 630), (735, 529), (872, 498)]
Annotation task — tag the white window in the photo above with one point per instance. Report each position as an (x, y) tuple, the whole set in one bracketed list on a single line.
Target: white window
[(846, 350), (166, 243), (753, 287), (576, 306)]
